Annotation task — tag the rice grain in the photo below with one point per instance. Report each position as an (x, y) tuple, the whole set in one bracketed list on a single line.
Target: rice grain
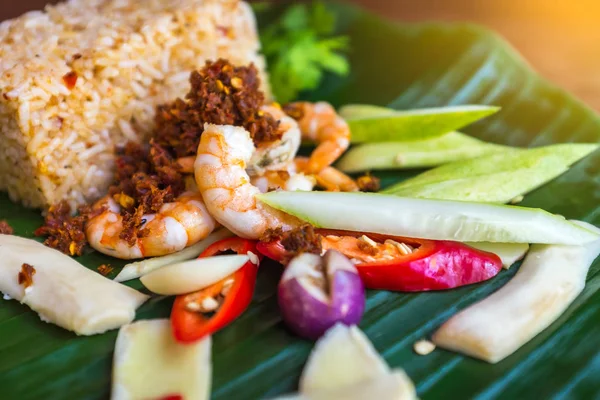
[(127, 56)]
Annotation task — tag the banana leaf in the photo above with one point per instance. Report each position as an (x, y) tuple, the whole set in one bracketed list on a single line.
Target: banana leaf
[(404, 67)]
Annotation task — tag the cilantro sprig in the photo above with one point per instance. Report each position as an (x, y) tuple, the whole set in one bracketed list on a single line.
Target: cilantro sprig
[(300, 48)]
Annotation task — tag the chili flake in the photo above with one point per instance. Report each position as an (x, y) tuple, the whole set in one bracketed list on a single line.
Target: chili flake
[(105, 269), (70, 79), (25, 277), (225, 31)]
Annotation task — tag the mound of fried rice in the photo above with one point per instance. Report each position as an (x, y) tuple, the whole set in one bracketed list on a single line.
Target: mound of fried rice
[(84, 76)]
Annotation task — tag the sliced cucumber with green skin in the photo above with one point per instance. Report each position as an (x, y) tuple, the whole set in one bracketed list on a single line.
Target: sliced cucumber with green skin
[(450, 147), (382, 126), (511, 160), (509, 253), (497, 177), (494, 188), (428, 219)]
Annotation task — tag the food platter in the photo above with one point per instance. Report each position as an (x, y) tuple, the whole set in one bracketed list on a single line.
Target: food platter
[(402, 66)]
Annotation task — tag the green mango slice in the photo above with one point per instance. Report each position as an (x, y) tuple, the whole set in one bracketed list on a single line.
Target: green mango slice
[(453, 146), (380, 124), (495, 178)]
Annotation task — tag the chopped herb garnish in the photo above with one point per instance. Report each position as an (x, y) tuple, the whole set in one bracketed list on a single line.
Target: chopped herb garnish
[(299, 48)]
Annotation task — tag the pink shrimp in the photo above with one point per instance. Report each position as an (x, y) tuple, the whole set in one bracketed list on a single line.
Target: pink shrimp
[(320, 123), (177, 225), (229, 195)]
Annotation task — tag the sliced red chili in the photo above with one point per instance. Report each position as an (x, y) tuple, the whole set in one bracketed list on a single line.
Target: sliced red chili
[(273, 250), (188, 323), (405, 264), (172, 397)]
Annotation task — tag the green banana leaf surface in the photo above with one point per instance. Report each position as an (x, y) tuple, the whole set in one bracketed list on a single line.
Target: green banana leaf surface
[(404, 67)]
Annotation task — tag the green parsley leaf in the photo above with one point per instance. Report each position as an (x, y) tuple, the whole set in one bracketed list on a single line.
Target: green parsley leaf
[(322, 21), (299, 48)]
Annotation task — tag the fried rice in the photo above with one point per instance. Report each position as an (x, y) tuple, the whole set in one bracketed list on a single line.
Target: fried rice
[(84, 76)]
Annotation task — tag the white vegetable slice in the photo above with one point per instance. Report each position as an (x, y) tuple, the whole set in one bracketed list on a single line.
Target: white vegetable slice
[(64, 292), (342, 357), (140, 268), (549, 279), (345, 365), (149, 364), (392, 386), (509, 253), (189, 276), (428, 219)]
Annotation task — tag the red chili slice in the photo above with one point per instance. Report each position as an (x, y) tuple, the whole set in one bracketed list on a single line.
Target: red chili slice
[(189, 325), (172, 397), (425, 265)]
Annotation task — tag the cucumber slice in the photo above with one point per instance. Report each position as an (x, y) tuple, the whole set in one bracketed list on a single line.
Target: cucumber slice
[(450, 147), (380, 125), (428, 219), (500, 187), (497, 177)]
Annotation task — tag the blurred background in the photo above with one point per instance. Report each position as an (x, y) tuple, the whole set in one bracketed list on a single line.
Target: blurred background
[(559, 38)]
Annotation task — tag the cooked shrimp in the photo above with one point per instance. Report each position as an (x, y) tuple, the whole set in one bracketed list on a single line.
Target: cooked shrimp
[(221, 176), (285, 180), (320, 123), (291, 179), (269, 156), (272, 156), (177, 225), (329, 178)]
